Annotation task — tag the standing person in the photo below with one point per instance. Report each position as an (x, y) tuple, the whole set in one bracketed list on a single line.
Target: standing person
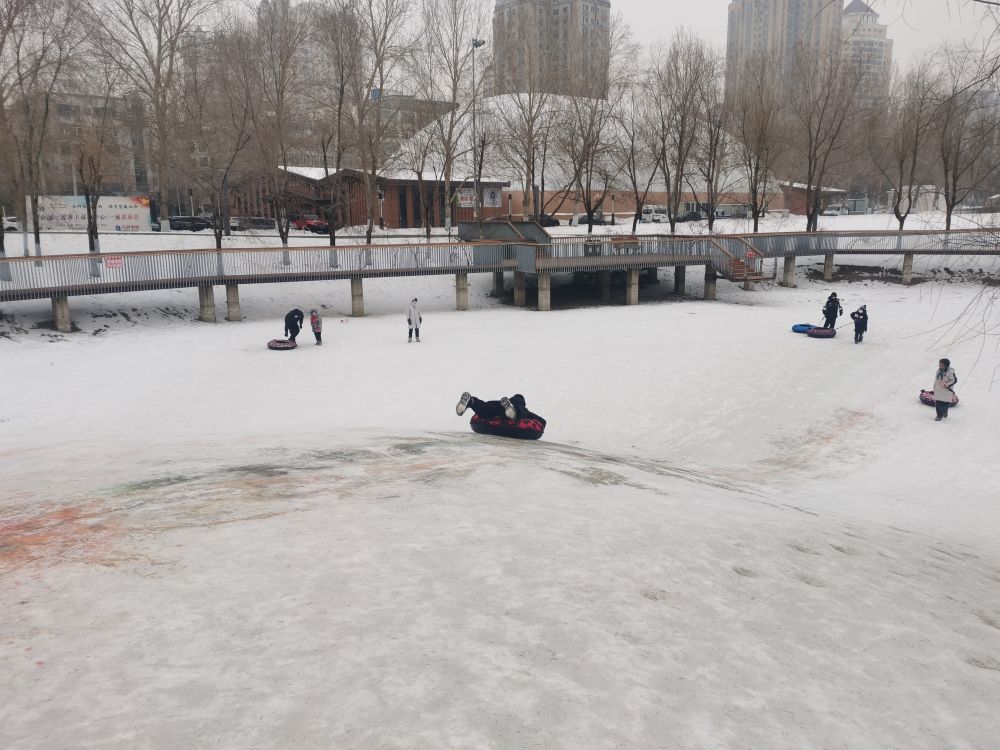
[(293, 323), (831, 310), (944, 379), (860, 318), (413, 319), (317, 325)]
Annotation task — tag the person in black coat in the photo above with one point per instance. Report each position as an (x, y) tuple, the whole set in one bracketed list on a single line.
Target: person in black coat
[(513, 408), (293, 323), (860, 318), (831, 310)]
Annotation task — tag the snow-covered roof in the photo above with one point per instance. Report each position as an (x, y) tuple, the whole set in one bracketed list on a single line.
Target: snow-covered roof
[(803, 186), (310, 173)]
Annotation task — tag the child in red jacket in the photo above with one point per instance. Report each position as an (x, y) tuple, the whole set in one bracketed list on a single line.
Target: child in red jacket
[(317, 325)]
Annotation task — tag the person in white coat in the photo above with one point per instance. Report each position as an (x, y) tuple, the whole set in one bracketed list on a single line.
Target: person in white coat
[(944, 381), (413, 319)]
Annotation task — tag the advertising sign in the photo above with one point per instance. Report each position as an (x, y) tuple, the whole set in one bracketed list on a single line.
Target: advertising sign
[(115, 213), (467, 198), (492, 198)]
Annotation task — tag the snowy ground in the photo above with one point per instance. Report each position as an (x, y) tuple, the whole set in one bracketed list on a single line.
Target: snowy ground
[(731, 536)]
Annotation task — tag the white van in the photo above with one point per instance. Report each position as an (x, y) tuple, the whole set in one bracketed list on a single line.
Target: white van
[(655, 215)]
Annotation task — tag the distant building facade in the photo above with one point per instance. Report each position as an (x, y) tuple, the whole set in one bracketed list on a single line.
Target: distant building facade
[(777, 27), (865, 42), (551, 46)]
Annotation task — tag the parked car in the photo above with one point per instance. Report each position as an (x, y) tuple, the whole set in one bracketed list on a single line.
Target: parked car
[(154, 225), (189, 223), (655, 215), (580, 220), (690, 216), (260, 222), (547, 220), (236, 223), (312, 222), (835, 209), (10, 224)]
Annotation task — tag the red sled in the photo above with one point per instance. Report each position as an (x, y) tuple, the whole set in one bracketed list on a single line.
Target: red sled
[(521, 429), (927, 397), (280, 345)]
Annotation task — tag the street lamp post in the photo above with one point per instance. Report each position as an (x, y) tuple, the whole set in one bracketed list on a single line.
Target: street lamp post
[(476, 44)]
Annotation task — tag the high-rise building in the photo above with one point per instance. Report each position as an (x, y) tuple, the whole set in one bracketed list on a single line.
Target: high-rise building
[(554, 46), (865, 43), (778, 27)]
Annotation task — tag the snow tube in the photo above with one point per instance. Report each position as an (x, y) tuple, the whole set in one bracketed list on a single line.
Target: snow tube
[(280, 344), (927, 397), (522, 429), (822, 333), (803, 327)]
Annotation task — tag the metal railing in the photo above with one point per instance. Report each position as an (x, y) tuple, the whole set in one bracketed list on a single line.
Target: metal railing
[(32, 277)]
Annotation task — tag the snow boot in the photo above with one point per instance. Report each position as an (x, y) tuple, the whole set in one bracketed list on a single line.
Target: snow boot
[(508, 408), (463, 403)]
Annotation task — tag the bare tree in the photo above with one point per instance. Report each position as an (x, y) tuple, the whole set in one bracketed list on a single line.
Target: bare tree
[(42, 44), (444, 60), (270, 46), (143, 37), (757, 112), (635, 142), (216, 108), (337, 33), (899, 137), (12, 13), (823, 99), (677, 73), (713, 148), (385, 45), (965, 129)]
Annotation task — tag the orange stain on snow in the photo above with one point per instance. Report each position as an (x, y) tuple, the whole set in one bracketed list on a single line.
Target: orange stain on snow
[(53, 535)]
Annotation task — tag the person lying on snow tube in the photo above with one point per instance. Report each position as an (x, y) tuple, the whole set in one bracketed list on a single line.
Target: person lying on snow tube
[(508, 416)]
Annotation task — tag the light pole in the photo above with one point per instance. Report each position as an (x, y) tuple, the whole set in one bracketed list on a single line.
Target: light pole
[(476, 44)]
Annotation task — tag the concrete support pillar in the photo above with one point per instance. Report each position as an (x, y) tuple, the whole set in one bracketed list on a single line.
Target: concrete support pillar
[(60, 314), (828, 268), (357, 298), (605, 286), (498, 283), (788, 275), (206, 303), (461, 291), (632, 287), (680, 272), (233, 302), (908, 268), (544, 291), (519, 288), (710, 281)]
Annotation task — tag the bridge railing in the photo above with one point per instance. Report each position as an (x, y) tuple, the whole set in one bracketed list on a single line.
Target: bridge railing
[(952, 242), (605, 249), (76, 274)]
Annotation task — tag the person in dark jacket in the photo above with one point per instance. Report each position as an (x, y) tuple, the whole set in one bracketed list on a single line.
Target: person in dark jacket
[(293, 323), (860, 318), (513, 408), (831, 310)]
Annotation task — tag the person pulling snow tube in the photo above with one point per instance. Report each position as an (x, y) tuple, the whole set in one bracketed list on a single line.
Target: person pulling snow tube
[(280, 345), (802, 327), (822, 333), (927, 398), (522, 429)]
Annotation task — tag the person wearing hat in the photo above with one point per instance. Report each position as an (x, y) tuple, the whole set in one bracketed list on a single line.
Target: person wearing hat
[(860, 318), (293, 323), (831, 310), (316, 322), (944, 379), (413, 319)]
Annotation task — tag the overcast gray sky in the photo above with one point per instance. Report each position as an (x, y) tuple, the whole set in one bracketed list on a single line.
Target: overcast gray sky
[(914, 25)]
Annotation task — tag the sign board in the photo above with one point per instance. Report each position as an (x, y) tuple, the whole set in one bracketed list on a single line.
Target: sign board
[(492, 198), (467, 198), (113, 261), (115, 213)]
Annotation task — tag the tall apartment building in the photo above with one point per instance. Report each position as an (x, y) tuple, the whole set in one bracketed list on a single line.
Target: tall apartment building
[(554, 46), (866, 44), (777, 27)]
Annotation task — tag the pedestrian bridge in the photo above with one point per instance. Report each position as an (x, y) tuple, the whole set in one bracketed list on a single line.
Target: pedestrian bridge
[(734, 257)]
